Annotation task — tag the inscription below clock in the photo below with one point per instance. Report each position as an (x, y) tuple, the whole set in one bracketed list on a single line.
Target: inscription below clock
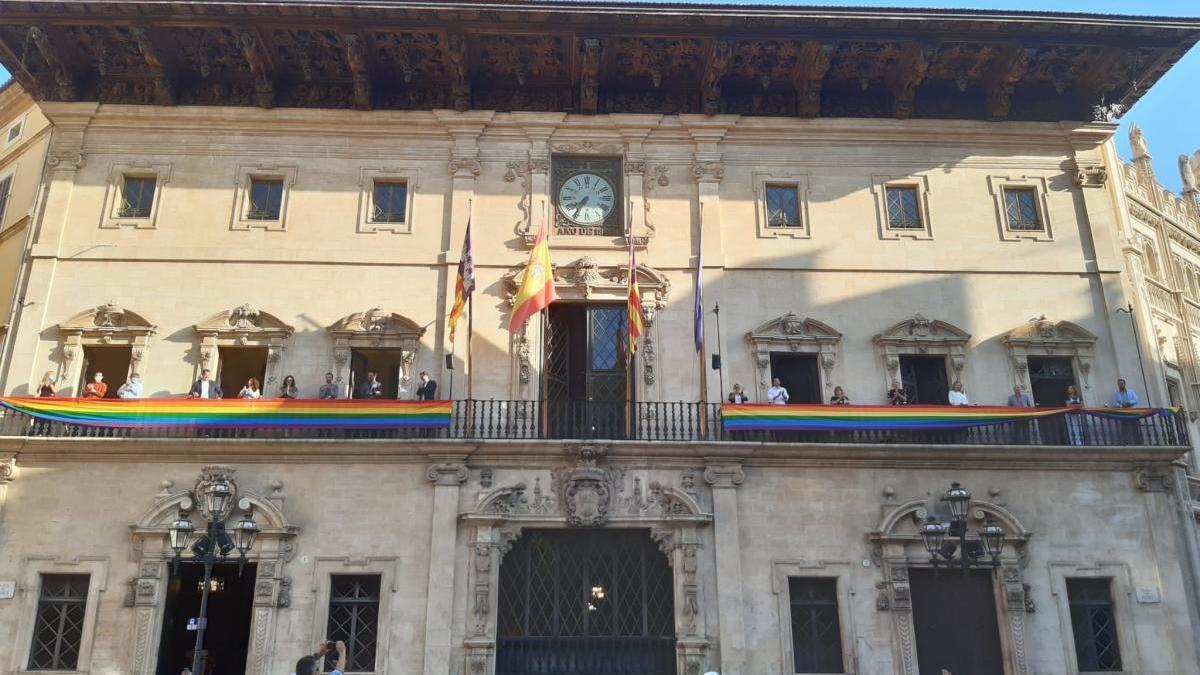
[(586, 198)]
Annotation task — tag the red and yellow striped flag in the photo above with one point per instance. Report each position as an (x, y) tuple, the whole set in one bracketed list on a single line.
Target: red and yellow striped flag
[(464, 285), (636, 322), (537, 286)]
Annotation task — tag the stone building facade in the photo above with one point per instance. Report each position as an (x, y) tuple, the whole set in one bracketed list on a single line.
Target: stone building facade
[(866, 211)]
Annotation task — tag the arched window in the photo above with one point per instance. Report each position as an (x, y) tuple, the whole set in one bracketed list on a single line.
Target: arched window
[(1151, 259)]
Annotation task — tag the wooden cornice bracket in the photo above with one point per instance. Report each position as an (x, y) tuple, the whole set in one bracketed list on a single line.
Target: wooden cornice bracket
[(591, 58), (720, 58), (255, 55), (1006, 70), (164, 89), (811, 67), (356, 59), (455, 55), (906, 74)]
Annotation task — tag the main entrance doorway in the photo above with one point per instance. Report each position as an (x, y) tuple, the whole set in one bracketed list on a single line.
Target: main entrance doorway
[(585, 602), (954, 618), (227, 639), (586, 352), (799, 374), (1049, 377), (924, 379)]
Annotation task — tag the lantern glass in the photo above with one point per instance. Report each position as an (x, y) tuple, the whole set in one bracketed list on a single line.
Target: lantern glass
[(180, 533), (992, 536), (218, 499), (244, 533), (933, 534), (958, 499)]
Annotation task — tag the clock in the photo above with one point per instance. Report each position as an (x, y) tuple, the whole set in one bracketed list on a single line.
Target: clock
[(586, 199)]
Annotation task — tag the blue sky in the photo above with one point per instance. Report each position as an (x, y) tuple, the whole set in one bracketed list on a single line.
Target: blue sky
[(1163, 113)]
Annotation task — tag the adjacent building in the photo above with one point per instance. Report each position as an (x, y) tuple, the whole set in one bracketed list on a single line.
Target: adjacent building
[(871, 197)]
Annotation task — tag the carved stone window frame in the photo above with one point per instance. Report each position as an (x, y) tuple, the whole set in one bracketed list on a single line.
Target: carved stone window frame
[(108, 325), (7, 174), (241, 197), (147, 592), (898, 547), (843, 572), (918, 336), (792, 334), (997, 184), (794, 179), (542, 201), (1042, 337), (879, 185), (30, 587), (366, 199), (1121, 589), (386, 567), (243, 326), (373, 329), (117, 173)]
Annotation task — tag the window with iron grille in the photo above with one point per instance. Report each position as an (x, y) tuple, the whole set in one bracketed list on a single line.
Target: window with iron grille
[(903, 209), (266, 198), (58, 628), (354, 619), (1020, 207), (137, 196), (1094, 624), (389, 201), (14, 132), (783, 206), (816, 630)]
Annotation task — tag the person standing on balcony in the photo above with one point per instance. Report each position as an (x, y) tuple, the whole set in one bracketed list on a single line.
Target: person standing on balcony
[(896, 395), (289, 388), (328, 391), (958, 395), (1124, 397), (1074, 420), (428, 389), (96, 388), (777, 394), (132, 387), (738, 395), (47, 388), (205, 387), (839, 397), (372, 388), (1019, 399), (251, 390)]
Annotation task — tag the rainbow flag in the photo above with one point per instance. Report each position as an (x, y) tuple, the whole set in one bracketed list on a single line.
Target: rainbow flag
[(236, 413), (763, 417)]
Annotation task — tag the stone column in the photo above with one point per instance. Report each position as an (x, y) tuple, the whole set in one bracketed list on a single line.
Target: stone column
[(439, 605), (725, 479)]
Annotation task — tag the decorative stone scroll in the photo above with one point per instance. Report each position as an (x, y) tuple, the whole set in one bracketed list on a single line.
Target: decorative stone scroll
[(374, 329), (794, 334), (919, 335), (244, 326), (1041, 336), (108, 325)]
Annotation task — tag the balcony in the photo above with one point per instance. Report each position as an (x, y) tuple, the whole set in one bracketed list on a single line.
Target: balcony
[(655, 421)]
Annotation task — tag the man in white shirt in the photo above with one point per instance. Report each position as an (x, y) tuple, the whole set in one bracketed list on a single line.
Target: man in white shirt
[(205, 387), (132, 387), (311, 665), (777, 395), (1124, 397)]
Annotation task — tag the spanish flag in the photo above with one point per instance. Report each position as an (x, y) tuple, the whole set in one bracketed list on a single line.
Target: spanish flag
[(464, 285), (636, 324), (537, 287)]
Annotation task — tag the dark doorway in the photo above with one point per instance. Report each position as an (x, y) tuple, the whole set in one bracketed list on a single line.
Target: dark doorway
[(112, 361), (954, 618), (799, 374), (585, 602), (585, 370), (1049, 377), (385, 363), (238, 365), (227, 640), (924, 379)]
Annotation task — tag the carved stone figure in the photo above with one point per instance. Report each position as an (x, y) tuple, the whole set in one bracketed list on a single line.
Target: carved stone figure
[(1187, 174)]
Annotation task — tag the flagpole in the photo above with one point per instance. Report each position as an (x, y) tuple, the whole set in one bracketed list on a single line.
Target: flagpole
[(470, 314), (701, 350), (629, 350), (542, 389)]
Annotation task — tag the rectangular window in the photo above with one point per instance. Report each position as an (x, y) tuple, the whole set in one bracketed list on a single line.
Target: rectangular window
[(783, 206), (5, 193), (390, 201), (14, 132), (903, 210), (58, 628), (137, 196), (354, 619), (266, 196), (816, 630), (1020, 206), (1094, 625)]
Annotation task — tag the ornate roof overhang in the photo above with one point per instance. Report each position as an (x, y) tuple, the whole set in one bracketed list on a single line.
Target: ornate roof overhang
[(590, 57)]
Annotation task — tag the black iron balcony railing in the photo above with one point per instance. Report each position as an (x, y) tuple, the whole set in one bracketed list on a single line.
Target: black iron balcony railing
[(657, 421), (585, 655)]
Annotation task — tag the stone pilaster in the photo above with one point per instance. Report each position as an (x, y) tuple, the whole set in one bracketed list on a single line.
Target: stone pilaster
[(725, 479), (446, 476)]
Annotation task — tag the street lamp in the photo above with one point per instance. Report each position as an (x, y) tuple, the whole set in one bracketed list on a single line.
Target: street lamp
[(215, 495), (982, 553)]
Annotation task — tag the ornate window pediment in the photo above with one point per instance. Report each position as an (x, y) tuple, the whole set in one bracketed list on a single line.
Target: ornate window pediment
[(791, 333), (106, 325), (919, 335), (585, 279), (243, 326), (374, 329), (1041, 336)]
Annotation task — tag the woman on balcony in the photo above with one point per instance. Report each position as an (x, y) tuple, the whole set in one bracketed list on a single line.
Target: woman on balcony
[(839, 397), (289, 388), (252, 390), (958, 395), (47, 388), (1074, 418)]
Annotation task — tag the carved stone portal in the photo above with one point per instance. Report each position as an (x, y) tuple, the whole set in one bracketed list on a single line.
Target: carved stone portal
[(373, 329), (108, 325), (1041, 336), (919, 335), (244, 326), (791, 333)]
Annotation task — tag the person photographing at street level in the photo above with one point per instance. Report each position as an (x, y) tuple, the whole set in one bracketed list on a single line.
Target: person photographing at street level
[(311, 665)]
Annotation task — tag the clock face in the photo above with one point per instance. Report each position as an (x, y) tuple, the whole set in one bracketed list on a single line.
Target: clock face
[(586, 199)]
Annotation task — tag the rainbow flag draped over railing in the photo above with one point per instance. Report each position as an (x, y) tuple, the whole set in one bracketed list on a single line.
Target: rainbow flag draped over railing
[(236, 413), (763, 417)]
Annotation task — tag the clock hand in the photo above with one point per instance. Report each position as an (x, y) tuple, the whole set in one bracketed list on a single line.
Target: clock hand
[(580, 205)]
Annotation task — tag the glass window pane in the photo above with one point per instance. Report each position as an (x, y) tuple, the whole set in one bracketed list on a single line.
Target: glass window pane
[(137, 196), (266, 196), (903, 211), (58, 627), (354, 619), (390, 202), (1020, 205), (783, 206), (816, 628), (1094, 625)]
